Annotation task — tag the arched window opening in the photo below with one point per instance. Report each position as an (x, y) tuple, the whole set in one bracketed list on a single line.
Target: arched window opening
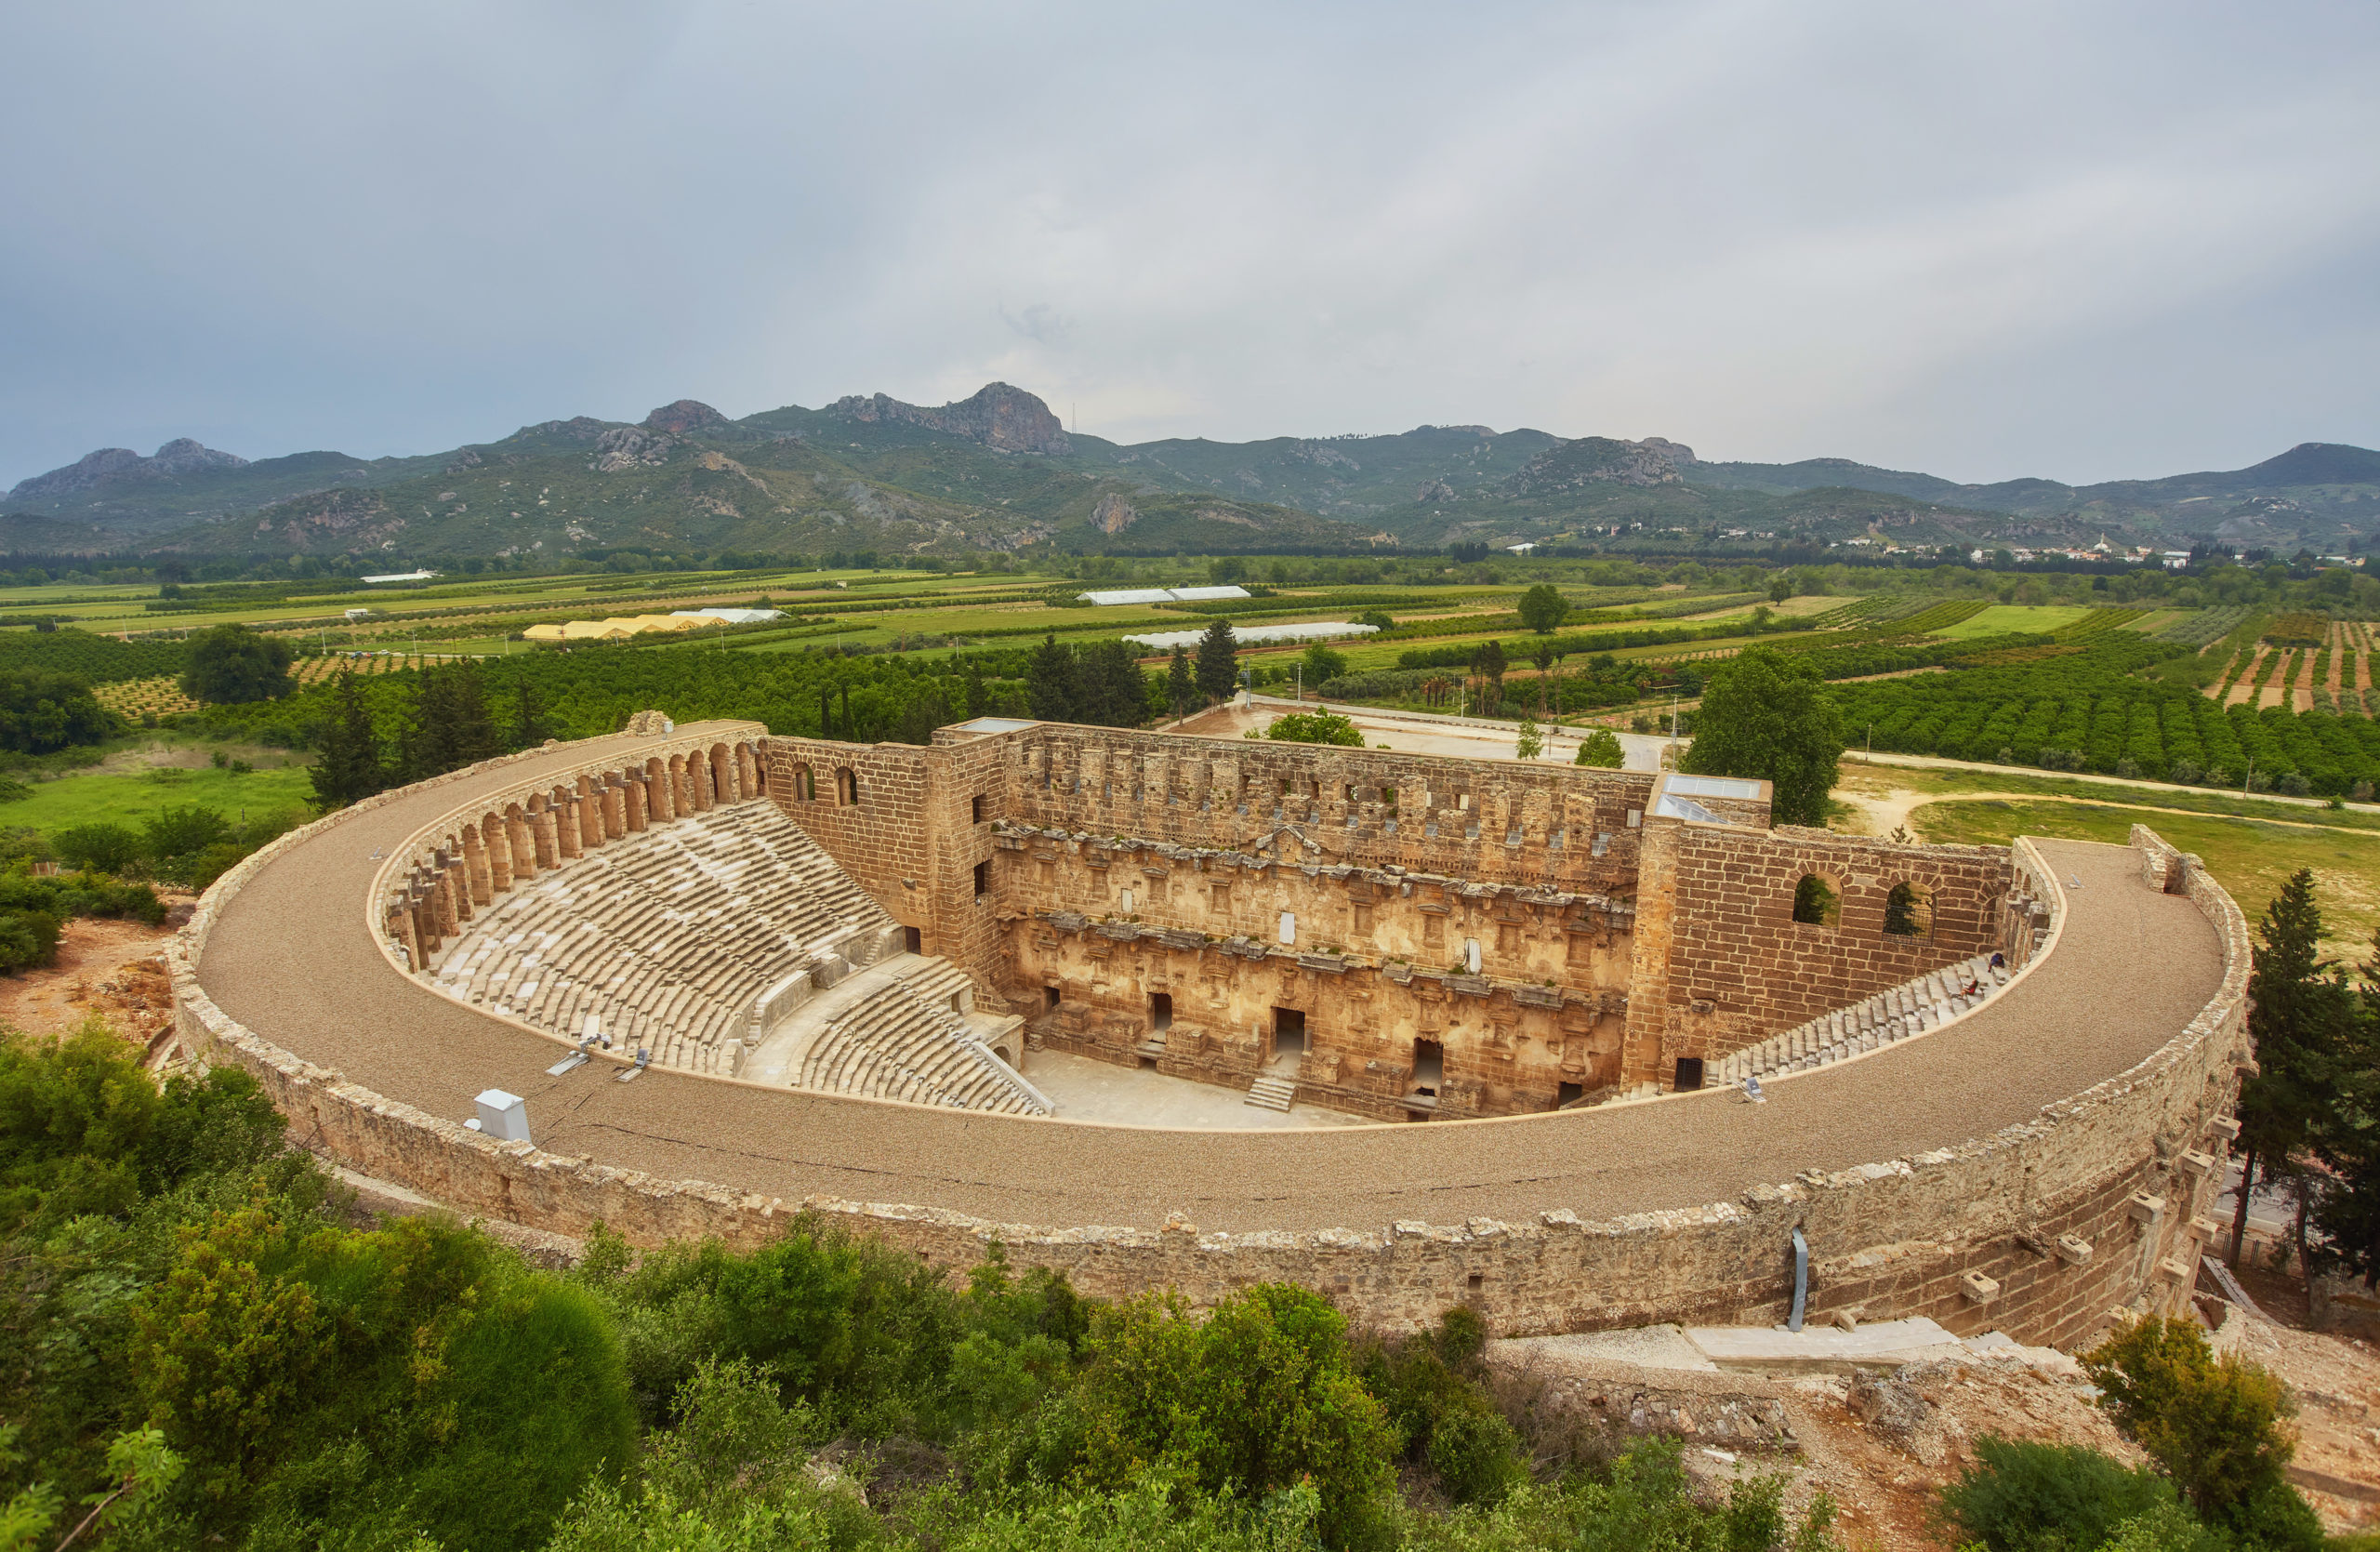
[(805, 784), (846, 787), (1815, 903), (1908, 913)]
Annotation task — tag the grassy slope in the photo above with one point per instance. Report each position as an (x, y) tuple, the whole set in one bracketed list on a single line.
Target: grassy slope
[(2250, 858), (128, 799)]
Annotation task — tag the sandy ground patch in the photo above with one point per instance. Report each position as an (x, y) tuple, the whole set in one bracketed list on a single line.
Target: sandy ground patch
[(110, 968)]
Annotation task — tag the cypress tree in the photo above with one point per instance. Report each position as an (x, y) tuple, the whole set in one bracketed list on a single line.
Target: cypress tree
[(348, 766), (1181, 684), (1218, 660), (2294, 1018), (1052, 686), (473, 736), (1115, 691), (529, 725)]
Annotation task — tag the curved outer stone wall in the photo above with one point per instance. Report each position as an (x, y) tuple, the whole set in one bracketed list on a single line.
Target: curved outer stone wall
[(2037, 1229)]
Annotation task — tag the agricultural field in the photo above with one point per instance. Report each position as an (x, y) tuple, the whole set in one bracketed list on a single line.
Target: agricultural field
[(2002, 619), (135, 698)]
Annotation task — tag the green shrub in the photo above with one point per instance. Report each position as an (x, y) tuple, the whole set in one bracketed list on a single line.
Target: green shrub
[(2216, 1424), (1250, 1401), (101, 848), (2021, 1497), (1315, 727), (1601, 747)]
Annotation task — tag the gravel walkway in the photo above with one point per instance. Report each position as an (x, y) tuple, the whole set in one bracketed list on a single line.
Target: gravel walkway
[(293, 958)]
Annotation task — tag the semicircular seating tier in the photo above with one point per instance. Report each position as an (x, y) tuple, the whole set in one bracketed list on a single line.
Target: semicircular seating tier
[(726, 941)]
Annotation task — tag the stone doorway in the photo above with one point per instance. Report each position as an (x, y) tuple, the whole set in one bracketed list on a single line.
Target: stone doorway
[(1288, 1038)]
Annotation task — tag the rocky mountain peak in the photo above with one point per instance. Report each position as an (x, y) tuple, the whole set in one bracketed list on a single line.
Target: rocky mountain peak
[(182, 456), (1602, 460), (684, 416), (998, 416)]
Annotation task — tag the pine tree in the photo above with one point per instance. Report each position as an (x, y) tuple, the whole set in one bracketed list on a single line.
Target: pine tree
[(1181, 684), (349, 764), (1530, 744), (1218, 661), (1769, 717)]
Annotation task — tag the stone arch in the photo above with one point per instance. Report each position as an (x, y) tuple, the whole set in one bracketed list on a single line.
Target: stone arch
[(1818, 901), (846, 787), (1908, 910)]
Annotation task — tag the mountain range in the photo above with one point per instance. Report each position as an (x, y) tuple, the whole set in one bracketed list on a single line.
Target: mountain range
[(998, 471)]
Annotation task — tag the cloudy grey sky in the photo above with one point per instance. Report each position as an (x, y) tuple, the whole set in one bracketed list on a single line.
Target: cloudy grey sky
[(2081, 241)]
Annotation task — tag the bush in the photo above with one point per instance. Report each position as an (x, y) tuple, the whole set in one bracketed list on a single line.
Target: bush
[(2020, 1497), (2215, 1425), (101, 848), (1250, 1401), (1315, 727)]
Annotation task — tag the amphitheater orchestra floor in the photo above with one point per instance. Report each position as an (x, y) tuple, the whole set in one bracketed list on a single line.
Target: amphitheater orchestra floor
[(1088, 1090)]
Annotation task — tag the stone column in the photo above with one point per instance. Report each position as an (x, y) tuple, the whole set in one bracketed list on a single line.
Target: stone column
[(659, 807), (425, 923), (748, 772), (634, 791), (541, 823), (590, 813), (400, 927), (524, 847), (475, 863), (457, 881), (442, 897), (498, 844), (567, 831), (616, 809)]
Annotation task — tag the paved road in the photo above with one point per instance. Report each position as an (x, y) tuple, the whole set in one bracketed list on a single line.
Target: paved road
[(293, 959)]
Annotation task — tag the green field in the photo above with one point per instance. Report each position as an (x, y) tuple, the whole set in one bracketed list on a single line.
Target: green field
[(2004, 617), (2250, 858), (129, 798)]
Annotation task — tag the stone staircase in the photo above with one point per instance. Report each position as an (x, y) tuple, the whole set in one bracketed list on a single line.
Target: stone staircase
[(1912, 1007), (1269, 1093)]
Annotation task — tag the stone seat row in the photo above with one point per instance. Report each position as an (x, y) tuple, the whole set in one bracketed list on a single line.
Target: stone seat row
[(1894, 1013), (906, 1040), (662, 941)]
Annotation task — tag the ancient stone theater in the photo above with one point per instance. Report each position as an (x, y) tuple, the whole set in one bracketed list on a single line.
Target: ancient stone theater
[(1576, 1048)]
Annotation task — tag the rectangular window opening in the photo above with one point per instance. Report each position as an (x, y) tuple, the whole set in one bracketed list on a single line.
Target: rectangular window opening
[(975, 804), (983, 878), (1689, 1075)]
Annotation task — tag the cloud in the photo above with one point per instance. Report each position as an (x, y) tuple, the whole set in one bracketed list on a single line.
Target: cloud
[(1988, 241)]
